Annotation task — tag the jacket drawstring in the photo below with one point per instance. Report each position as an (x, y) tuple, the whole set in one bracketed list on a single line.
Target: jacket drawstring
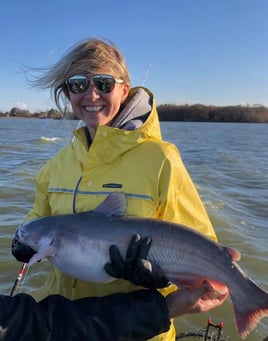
[(75, 193)]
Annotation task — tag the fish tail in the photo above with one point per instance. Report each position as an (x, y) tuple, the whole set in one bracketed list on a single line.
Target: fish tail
[(248, 315)]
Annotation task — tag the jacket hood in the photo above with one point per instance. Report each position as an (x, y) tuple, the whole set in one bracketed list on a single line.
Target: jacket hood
[(135, 111), (136, 122)]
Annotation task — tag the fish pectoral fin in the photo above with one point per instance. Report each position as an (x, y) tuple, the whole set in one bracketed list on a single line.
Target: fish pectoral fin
[(43, 252)]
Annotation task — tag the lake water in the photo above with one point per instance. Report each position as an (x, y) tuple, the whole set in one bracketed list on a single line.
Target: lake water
[(227, 161)]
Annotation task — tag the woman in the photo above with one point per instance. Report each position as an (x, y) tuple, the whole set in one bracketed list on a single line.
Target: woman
[(119, 149)]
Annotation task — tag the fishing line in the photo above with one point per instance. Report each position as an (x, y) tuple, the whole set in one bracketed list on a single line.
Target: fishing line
[(146, 73)]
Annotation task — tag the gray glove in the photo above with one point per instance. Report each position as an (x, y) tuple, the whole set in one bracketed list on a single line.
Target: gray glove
[(136, 268)]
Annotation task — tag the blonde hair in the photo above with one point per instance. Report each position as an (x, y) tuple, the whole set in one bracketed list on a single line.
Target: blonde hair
[(89, 56)]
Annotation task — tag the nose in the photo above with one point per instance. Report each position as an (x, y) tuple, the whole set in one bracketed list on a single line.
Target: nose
[(92, 92)]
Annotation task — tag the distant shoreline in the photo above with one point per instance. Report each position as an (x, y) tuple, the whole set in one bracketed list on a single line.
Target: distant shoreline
[(170, 112)]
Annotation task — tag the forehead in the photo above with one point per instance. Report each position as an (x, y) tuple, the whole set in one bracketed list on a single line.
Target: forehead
[(86, 67), (86, 71)]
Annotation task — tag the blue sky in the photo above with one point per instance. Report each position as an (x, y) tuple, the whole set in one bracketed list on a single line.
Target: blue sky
[(213, 52)]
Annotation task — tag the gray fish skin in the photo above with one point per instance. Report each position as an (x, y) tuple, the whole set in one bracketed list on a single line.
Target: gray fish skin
[(78, 244)]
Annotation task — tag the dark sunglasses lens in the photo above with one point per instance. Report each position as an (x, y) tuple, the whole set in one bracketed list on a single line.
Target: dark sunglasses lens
[(78, 84), (104, 83)]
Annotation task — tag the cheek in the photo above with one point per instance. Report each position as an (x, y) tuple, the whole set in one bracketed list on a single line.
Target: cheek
[(119, 97), (75, 101), (115, 107)]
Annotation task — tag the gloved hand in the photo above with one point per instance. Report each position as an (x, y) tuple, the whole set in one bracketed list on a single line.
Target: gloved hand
[(136, 268), (22, 253)]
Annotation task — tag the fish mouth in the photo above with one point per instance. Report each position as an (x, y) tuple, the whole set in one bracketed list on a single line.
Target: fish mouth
[(21, 251)]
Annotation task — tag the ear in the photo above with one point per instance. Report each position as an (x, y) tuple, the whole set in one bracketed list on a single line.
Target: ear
[(126, 88)]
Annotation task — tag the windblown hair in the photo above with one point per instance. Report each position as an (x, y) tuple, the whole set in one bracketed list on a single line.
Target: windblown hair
[(89, 56)]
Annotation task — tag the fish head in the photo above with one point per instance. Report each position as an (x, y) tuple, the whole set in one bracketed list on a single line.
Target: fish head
[(34, 234), (37, 236)]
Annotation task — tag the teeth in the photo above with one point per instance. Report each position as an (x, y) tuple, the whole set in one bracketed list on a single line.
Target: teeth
[(95, 108)]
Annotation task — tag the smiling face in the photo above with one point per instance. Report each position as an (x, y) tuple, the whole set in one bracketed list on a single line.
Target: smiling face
[(90, 58), (97, 108)]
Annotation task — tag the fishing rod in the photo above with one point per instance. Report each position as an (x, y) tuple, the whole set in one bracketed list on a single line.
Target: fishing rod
[(18, 279), (213, 332)]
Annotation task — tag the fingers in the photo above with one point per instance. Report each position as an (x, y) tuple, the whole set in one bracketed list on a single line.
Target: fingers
[(212, 292), (116, 257), (201, 292), (194, 300), (136, 268), (133, 249), (144, 247), (138, 249), (120, 268), (111, 271), (116, 267), (210, 298)]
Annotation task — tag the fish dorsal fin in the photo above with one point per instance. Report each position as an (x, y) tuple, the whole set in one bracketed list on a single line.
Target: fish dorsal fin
[(114, 205)]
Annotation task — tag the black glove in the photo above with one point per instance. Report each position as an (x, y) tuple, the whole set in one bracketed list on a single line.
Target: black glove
[(136, 268), (22, 253)]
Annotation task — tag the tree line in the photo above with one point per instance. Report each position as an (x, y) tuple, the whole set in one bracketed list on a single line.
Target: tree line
[(172, 112), (204, 113)]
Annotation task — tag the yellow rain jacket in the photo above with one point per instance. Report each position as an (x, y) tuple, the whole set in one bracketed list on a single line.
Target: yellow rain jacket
[(129, 156)]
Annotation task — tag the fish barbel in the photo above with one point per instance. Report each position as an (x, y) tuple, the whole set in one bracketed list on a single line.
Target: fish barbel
[(78, 244)]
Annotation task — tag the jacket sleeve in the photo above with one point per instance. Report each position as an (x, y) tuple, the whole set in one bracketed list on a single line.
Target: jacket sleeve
[(178, 196), (134, 316), (41, 206)]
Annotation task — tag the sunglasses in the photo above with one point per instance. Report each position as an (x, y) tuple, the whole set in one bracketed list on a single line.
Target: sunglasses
[(78, 84)]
